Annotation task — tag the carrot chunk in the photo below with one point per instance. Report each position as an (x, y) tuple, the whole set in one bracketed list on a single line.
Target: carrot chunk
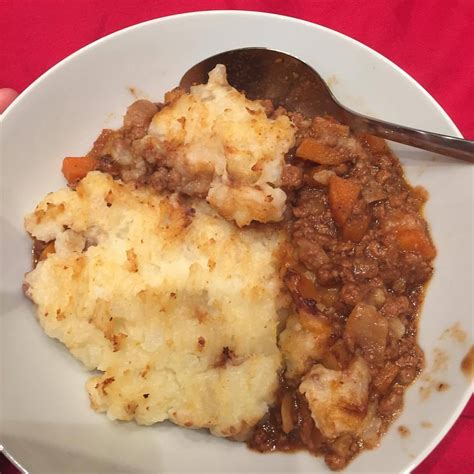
[(355, 229), (76, 168), (375, 144), (416, 240), (343, 194), (313, 150)]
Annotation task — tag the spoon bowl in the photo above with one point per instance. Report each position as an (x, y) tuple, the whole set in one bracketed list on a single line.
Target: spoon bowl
[(291, 83)]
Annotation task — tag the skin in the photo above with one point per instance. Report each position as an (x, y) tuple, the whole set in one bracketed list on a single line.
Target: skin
[(7, 96)]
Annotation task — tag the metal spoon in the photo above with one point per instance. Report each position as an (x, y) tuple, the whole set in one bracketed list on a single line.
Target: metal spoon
[(267, 74)]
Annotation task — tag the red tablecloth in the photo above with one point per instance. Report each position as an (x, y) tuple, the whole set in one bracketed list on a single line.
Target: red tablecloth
[(428, 38)]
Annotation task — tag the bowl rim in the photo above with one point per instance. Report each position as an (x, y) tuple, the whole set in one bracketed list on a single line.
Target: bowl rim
[(422, 455)]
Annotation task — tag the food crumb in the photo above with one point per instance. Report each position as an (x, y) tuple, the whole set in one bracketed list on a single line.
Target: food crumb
[(467, 364), (425, 392), (440, 364), (442, 387), (455, 332), (137, 93), (440, 360), (430, 385), (201, 343), (332, 81), (404, 431), (426, 424)]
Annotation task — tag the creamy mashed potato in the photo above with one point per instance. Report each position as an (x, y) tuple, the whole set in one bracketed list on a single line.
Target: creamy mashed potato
[(214, 135), (338, 398), (173, 304), (305, 339)]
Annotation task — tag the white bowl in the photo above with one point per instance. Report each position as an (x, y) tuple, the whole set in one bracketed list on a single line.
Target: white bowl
[(45, 420)]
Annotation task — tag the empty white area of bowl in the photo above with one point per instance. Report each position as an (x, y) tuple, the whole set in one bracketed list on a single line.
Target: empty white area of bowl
[(45, 420)]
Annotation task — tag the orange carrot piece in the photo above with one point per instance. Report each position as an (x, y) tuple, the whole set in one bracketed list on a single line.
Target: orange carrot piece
[(375, 144), (343, 194), (416, 240), (76, 168), (355, 229), (313, 150)]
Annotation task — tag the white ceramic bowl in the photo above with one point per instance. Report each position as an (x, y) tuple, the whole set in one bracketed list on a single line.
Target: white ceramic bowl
[(45, 420)]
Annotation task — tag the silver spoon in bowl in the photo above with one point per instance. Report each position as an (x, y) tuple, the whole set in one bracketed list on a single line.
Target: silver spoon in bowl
[(289, 82)]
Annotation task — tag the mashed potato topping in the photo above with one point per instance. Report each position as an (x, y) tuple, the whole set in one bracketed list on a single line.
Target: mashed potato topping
[(338, 399), (173, 304), (215, 135)]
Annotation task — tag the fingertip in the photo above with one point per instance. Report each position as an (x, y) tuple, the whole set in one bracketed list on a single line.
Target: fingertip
[(7, 96)]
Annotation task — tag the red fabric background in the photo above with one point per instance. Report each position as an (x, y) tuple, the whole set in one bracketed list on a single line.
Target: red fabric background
[(427, 38)]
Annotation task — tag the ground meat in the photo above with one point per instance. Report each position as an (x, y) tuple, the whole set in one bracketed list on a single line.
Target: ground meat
[(365, 268), (163, 179), (350, 294), (291, 177), (138, 118), (302, 433), (396, 306), (107, 165), (328, 275), (391, 404), (103, 143), (311, 252), (336, 462), (361, 263), (407, 375)]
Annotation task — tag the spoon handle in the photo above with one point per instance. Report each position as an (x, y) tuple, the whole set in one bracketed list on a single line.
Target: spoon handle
[(436, 142)]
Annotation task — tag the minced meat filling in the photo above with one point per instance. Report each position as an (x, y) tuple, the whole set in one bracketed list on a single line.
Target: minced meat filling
[(358, 257)]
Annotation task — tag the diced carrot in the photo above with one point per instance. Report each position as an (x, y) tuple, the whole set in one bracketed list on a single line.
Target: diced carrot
[(343, 194), (375, 144), (355, 229), (330, 126), (75, 168), (416, 240), (313, 150)]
